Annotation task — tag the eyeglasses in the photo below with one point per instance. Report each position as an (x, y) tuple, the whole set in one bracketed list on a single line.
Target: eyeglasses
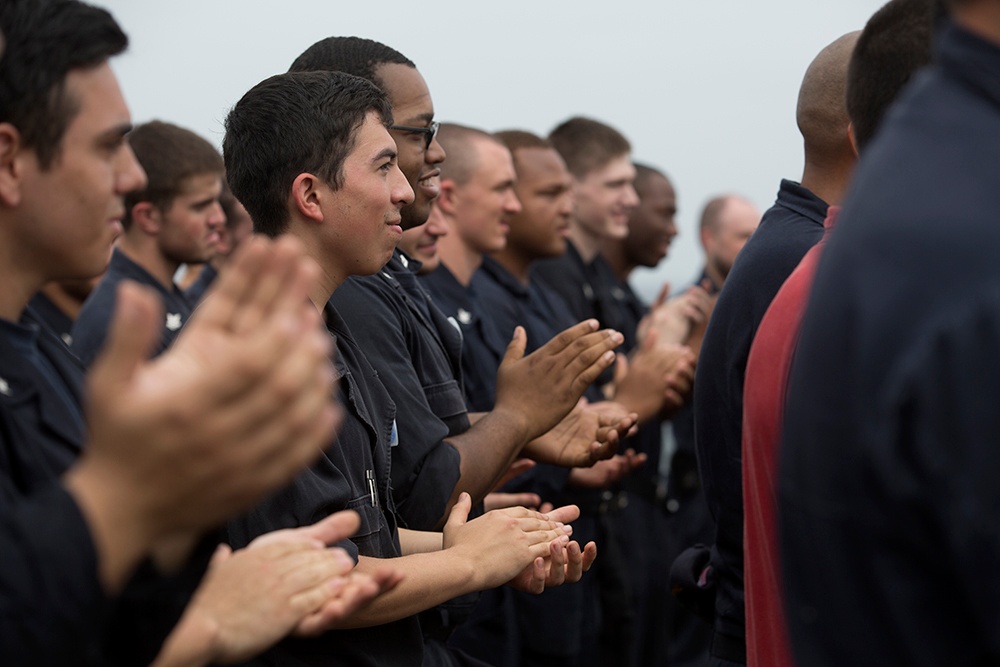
[(429, 132)]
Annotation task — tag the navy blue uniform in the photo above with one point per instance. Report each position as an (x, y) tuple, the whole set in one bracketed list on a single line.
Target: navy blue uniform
[(353, 473), (196, 291), (483, 347), (787, 230), (55, 319), (53, 610), (888, 479), (91, 326)]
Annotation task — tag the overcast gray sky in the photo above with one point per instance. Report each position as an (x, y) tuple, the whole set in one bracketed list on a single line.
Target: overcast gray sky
[(704, 89)]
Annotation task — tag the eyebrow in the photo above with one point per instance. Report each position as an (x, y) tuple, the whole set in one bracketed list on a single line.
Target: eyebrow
[(426, 118), (116, 132), (383, 154)]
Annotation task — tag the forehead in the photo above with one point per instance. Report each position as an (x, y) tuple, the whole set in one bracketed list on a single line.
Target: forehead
[(407, 92), (614, 170), (656, 190), (493, 161), (101, 106), (535, 165), (371, 140), (198, 184), (738, 215)]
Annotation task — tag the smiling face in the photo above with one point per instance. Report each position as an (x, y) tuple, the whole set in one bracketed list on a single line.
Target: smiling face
[(545, 190), (412, 107), (483, 203), (363, 215), (68, 215), (651, 226), (604, 198), (190, 224), (421, 242)]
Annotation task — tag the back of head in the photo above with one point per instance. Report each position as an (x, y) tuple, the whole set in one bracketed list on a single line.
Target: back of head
[(587, 144), (461, 145), (45, 41), (289, 124), (821, 113), (643, 175), (170, 155), (516, 140), (896, 42), (353, 55)]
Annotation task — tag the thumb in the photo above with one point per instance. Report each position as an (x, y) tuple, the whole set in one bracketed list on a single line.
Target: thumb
[(662, 297), (220, 555), (334, 528), (132, 334), (515, 348), (460, 512), (650, 341), (621, 368)]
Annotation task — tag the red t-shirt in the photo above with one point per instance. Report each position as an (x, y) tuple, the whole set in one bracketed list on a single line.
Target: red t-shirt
[(763, 410)]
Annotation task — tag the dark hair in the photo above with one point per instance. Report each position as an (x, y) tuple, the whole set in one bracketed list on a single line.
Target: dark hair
[(643, 174), (169, 154), (353, 55), (587, 144), (46, 40), (289, 124), (516, 140), (895, 43)]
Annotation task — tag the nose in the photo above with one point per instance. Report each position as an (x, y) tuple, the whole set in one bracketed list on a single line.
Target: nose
[(566, 203), (130, 175), (435, 153), (400, 190), (216, 216), (631, 196), (511, 203)]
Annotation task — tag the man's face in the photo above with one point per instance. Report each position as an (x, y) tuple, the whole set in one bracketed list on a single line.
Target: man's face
[(651, 226), (420, 242), (604, 199), (484, 202), (364, 213), (69, 215), (412, 107), (737, 221), (190, 224), (545, 190), (236, 230)]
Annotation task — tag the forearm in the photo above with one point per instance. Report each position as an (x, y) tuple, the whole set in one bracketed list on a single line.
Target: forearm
[(428, 580)]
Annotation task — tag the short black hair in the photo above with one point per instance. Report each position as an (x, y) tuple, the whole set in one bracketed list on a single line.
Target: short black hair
[(353, 55), (289, 124), (46, 40), (896, 42)]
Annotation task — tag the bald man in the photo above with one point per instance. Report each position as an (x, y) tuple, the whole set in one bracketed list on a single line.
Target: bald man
[(787, 231)]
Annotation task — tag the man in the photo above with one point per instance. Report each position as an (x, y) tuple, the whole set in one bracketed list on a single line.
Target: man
[(906, 366), (59, 303), (344, 203), (895, 42), (175, 219), (787, 230), (477, 197), (237, 229), (727, 222), (170, 449)]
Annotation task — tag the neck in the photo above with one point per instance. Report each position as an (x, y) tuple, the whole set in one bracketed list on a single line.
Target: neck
[(515, 262), (614, 253), (586, 243), (460, 259), (980, 18), (65, 302), (143, 250), (20, 275), (827, 181)]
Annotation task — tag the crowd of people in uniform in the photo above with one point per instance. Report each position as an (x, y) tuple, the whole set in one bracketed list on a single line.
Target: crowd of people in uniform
[(370, 389)]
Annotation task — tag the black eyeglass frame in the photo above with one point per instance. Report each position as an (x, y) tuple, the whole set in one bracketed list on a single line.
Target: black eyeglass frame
[(429, 132)]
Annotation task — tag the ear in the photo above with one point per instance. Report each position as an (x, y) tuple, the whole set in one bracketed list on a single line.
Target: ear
[(11, 167), (851, 138), (706, 239), (146, 217), (307, 195), (448, 198)]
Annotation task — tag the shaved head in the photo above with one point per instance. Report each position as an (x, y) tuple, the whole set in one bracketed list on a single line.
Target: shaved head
[(462, 145), (822, 108)]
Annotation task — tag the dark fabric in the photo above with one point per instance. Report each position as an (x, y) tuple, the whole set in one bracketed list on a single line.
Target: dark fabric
[(787, 230), (52, 608), (196, 292), (56, 320), (416, 353), (483, 347), (340, 480), (91, 327), (888, 491)]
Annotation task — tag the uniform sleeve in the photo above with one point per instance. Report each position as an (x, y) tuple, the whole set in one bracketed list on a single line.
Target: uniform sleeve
[(425, 468)]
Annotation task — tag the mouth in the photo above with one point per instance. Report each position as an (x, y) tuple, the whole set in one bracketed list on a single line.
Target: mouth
[(430, 183)]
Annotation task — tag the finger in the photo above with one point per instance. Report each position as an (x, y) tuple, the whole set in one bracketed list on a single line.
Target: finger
[(589, 555), (334, 528), (459, 514), (621, 368), (557, 564), (567, 337), (545, 507), (233, 286), (574, 562), (564, 514), (220, 555), (662, 297), (515, 348), (132, 334)]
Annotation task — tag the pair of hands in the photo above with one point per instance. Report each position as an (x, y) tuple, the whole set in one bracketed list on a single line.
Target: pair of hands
[(673, 320), (285, 582), (526, 549), (239, 404)]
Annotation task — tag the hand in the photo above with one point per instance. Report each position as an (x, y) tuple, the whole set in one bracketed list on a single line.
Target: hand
[(501, 543), (674, 319), (650, 380), (538, 390), (239, 404), (564, 565), (680, 382), (586, 435), (606, 473), (283, 582)]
